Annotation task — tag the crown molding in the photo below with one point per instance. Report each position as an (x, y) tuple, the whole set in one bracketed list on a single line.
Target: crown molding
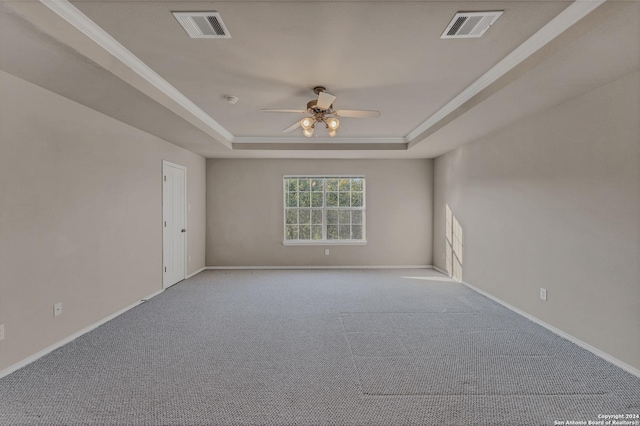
[(568, 17), (321, 146), (296, 140), (565, 19), (85, 25)]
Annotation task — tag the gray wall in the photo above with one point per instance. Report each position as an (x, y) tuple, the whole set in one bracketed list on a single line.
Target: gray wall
[(245, 213), (80, 216), (554, 201)]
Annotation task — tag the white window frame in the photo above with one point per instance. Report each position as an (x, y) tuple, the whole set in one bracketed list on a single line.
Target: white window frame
[(324, 241)]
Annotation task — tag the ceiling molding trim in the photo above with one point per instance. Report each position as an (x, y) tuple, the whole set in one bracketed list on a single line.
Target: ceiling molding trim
[(329, 141), (565, 19), (311, 146), (81, 22)]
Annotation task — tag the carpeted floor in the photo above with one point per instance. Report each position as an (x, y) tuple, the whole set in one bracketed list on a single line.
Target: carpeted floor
[(365, 347)]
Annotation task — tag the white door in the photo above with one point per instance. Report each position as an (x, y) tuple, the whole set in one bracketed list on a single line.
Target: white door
[(174, 223)]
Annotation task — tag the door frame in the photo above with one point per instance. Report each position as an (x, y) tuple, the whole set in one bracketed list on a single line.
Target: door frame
[(166, 163)]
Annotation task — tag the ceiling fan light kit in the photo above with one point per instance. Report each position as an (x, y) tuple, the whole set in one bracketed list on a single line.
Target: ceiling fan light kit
[(308, 125), (321, 110)]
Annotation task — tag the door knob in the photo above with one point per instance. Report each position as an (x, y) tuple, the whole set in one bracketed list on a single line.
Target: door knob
[(183, 230)]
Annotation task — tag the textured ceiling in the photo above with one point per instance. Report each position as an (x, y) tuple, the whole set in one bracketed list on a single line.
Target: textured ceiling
[(372, 55)]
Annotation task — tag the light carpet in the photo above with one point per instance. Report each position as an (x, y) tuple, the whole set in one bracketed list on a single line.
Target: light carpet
[(318, 347)]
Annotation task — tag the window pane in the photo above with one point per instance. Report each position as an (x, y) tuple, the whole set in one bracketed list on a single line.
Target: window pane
[(292, 199), (305, 199), (332, 216), (332, 232), (316, 199), (356, 184), (356, 199), (345, 232), (292, 217), (344, 184), (305, 232), (292, 232), (332, 199), (324, 208), (316, 232), (345, 217), (316, 217), (304, 217), (356, 217), (304, 185), (332, 184), (344, 199), (356, 232)]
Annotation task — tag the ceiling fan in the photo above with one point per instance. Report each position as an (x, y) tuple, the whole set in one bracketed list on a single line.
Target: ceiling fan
[(322, 111)]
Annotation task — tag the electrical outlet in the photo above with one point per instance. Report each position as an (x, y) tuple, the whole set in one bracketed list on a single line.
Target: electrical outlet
[(543, 293), (1, 331), (57, 309), (326, 252)]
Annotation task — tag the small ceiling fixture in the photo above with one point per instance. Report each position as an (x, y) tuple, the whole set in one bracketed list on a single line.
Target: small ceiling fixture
[(470, 24), (231, 99), (321, 111)]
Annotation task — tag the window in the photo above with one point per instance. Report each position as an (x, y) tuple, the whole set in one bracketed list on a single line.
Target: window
[(324, 209)]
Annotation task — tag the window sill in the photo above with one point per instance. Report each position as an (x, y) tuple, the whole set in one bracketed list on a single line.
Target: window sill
[(324, 243)]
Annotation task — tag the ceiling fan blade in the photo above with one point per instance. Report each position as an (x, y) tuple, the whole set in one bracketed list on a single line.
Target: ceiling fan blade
[(292, 127), (357, 113), (299, 111), (325, 100)]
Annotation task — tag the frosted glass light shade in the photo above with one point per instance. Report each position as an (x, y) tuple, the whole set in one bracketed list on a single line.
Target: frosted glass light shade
[(332, 123), (306, 123)]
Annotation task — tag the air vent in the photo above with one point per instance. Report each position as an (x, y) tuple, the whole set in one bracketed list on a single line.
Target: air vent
[(202, 24), (470, 24)]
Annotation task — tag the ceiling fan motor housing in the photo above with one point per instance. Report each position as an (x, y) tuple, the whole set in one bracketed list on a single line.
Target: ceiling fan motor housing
[(312, 108)]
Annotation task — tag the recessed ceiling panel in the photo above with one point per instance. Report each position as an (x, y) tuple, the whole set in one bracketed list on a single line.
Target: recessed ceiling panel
[(281, 50)]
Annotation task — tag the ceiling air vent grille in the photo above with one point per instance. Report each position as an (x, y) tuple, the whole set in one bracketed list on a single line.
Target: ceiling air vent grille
[(202, 24), (470, 24)]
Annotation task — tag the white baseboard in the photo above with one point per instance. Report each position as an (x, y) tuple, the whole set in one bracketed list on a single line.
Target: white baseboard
[(615, 361), (121, 311), (74, 336), (435, 268), (195, 273), (323, 267)]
